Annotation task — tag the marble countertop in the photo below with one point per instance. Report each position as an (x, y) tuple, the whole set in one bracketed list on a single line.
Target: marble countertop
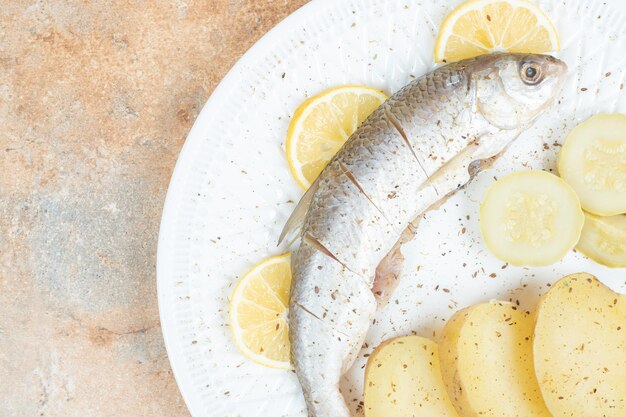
[(96, 99)]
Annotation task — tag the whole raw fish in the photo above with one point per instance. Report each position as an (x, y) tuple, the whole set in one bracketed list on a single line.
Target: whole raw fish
[(412, 152)]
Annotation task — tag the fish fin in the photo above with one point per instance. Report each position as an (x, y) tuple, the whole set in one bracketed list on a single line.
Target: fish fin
[(294, 224), (482, 164), (389, 269)]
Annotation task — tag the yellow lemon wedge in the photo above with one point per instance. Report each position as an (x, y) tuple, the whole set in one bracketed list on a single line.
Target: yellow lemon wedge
[(258, 312), (478, 27), (322, 124)]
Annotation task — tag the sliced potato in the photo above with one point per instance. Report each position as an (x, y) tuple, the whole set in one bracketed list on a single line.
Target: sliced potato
[(580, 348), (604, 240), (593, 162), (403, 379), (486, 362), (531, 218)]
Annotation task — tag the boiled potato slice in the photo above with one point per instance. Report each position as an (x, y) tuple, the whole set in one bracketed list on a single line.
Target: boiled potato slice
[(531, 218), (486, 362), (580, 348), (403, 379), (593, 162), (604, 240)]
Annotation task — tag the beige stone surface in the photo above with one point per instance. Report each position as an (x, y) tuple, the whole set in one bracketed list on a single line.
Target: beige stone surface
[(96, 98)]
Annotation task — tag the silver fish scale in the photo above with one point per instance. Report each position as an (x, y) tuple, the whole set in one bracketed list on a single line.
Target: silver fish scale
[(435, 115), (425, 98), (312, 350), (320, 296), (348, 225), (395, 187)]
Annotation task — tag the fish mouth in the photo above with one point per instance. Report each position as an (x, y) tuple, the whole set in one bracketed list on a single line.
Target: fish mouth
[(562, 69), (557, 69), (562, 66)]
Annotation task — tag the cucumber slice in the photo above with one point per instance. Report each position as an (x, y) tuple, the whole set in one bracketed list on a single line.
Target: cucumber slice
[(531, 218), (604, 240), (593, 162)]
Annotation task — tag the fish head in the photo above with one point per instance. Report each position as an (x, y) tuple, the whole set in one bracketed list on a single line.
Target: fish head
[(511, 90)]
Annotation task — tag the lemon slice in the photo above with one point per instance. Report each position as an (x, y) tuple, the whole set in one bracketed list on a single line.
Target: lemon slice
[(322, 124), (258, 312), (593, 162), (479, 27), (604, 240), (531, 218)]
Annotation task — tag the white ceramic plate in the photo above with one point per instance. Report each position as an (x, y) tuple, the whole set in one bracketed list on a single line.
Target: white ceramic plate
[(231, 191)]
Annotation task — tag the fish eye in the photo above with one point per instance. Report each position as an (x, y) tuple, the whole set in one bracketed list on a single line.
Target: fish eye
[(530, 73)]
